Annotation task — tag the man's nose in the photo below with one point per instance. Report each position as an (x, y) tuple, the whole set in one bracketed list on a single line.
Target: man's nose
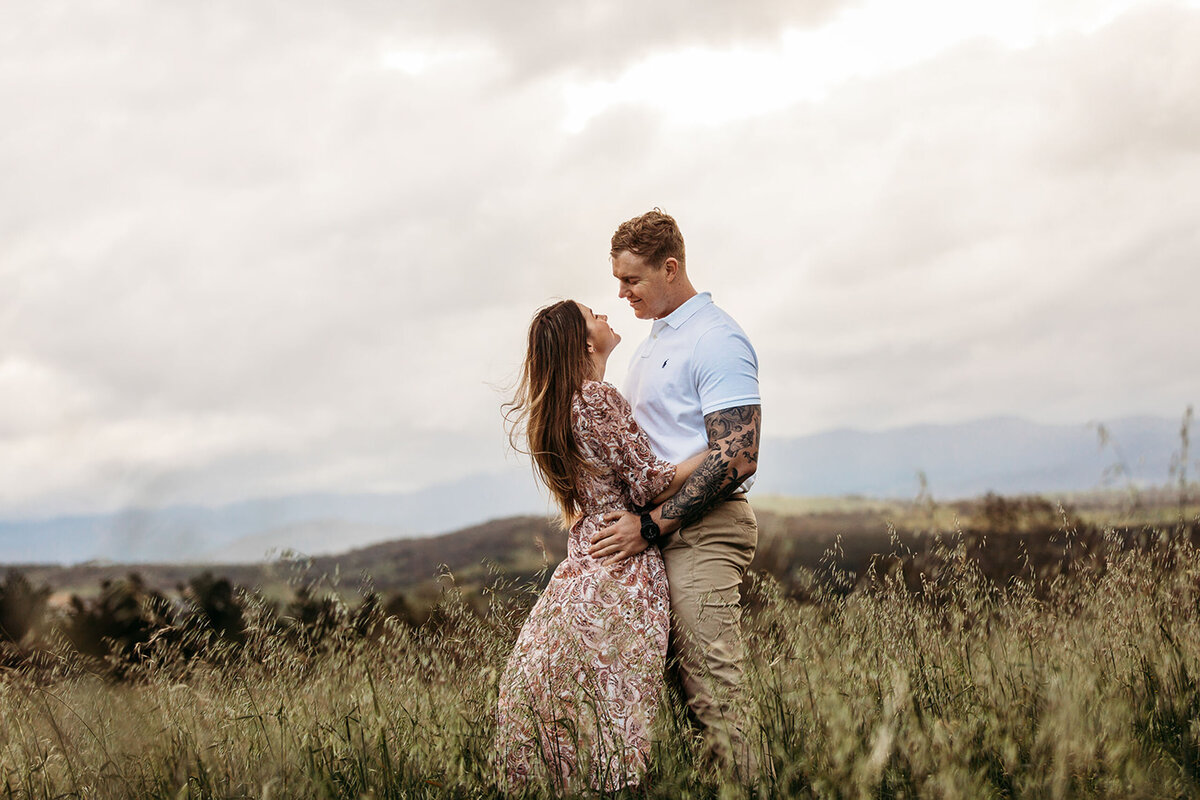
[(623, 291)]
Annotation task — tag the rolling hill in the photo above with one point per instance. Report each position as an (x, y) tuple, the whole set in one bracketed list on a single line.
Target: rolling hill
[(1004, 455)]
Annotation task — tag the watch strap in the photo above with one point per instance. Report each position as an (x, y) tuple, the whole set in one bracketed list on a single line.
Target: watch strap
[(650, 530)]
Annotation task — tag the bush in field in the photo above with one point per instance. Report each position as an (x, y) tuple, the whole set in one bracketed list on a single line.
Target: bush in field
[(128, 627), (398, 606), (1004, 515), (22, 619), (216, 604), (22, 608), (128, 624), (113, 628)]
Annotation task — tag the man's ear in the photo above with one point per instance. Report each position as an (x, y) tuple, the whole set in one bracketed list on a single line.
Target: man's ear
[(671, 265)]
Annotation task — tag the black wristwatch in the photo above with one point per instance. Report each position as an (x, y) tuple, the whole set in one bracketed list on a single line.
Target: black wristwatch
[(650, 530)]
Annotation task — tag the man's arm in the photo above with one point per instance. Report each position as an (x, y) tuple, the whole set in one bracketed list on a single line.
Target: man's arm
[(733, 437), (732, 458)]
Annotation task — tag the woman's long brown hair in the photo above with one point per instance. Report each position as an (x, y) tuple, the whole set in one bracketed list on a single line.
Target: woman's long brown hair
[(556, 365)]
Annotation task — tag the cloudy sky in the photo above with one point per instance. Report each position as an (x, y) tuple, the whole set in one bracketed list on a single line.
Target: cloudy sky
[(256, 248)]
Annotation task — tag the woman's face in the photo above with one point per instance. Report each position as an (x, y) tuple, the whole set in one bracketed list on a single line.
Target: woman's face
[(600, 336)]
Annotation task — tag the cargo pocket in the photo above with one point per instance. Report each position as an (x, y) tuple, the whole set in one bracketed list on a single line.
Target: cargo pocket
[(719, 628)]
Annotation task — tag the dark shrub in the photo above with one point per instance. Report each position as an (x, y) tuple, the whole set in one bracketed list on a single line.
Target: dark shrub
[(22, 608), (215, 602), (114, 627)]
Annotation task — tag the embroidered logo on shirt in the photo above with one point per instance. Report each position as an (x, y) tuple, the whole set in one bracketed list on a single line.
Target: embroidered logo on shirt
[(664, 366)]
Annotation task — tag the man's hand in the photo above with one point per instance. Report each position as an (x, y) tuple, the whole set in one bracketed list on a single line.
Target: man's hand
[(621, 538)]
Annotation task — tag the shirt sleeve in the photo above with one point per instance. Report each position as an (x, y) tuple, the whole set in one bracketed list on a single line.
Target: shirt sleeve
[(725, 369), (623, 446)]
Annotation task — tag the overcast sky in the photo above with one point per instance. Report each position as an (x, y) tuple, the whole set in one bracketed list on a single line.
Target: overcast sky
[(256, 248)]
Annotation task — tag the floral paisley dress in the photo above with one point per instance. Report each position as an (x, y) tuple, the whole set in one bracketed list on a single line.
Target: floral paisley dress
[(580, 691)]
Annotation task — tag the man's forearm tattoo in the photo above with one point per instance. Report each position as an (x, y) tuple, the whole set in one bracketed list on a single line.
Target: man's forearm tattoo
[(732, 438)]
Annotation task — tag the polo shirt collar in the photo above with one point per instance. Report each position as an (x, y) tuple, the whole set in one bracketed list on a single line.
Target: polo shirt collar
[(685, 312)]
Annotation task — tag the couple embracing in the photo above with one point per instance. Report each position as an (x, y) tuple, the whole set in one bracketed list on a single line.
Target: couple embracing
[(652, 485)]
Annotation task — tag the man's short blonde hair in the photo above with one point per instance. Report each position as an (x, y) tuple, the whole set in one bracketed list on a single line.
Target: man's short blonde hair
[(654, 236)]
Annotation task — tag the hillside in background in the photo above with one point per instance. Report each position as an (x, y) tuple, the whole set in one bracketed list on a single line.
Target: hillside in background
[(796, 538), (1006, 456), (519, 547)]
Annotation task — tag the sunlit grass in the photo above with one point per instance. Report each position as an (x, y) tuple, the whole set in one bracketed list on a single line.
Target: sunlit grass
[(1086, 687)]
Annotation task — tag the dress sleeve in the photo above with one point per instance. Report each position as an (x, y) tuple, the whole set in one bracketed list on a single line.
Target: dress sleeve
[(620, 442)]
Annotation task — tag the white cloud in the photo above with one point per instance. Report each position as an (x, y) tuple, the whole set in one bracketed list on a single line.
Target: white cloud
[(712, 86), (243, 255)]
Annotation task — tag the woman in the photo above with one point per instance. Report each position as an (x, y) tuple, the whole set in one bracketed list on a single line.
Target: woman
[(580, 691)]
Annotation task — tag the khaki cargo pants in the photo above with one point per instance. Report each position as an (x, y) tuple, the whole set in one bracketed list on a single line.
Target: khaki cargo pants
[(705, 563)]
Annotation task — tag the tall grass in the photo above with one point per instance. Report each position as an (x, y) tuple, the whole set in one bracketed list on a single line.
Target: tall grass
[(1084, 685)]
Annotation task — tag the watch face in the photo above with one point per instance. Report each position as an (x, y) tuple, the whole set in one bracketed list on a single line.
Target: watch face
[(650, 529)]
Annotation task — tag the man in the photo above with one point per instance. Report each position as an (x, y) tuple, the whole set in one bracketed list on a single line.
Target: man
[(693, 385)]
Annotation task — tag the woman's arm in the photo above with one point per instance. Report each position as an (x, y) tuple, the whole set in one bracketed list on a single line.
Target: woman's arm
[(683, 471)]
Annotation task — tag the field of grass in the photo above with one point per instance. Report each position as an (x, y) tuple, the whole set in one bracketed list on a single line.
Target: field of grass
[(942, 682)]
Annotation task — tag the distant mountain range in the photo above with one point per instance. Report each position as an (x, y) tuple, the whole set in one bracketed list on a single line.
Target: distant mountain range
[(314, 524), (1004, 455)]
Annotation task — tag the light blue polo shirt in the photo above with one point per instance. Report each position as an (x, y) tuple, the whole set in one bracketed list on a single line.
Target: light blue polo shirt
[(697, 360)]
